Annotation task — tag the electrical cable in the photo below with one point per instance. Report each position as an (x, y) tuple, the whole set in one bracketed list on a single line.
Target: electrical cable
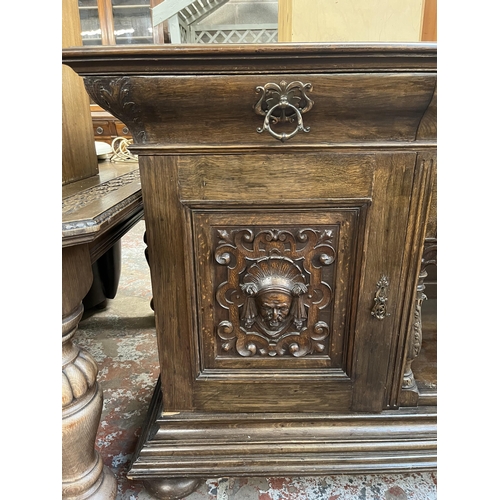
[(121, 152)]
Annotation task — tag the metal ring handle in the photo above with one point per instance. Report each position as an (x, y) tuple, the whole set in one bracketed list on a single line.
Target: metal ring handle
[(283, 136)]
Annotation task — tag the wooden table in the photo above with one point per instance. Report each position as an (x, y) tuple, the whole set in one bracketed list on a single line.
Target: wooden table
[(96, 213)]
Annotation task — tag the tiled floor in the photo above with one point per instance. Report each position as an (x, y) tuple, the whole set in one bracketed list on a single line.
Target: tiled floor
[(122, 340)]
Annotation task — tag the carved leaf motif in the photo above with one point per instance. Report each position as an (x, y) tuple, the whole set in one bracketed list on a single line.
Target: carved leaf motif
[(224, 236), (325, 237), (114, 94)]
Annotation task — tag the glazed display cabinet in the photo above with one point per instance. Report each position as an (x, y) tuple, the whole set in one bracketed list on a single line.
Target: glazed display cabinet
[(118, 22), (286, 193)]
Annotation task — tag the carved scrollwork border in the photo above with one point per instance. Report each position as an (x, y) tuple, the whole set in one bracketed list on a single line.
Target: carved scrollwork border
[(268, 265), (81, 199)]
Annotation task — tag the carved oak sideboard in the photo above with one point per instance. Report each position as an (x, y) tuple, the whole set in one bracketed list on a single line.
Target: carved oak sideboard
[(286, 191)]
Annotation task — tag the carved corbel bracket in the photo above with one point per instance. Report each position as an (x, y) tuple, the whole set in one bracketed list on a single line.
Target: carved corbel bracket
[(114, 95)]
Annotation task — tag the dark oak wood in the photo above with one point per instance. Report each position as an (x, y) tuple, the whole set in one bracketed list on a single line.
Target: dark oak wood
[(200, 444), (285, 251), (234, 59)]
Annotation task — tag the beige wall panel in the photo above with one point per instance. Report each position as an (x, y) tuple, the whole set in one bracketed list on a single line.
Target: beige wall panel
[(355, 20)]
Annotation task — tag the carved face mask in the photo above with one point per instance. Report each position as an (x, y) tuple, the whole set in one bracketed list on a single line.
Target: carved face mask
[(273, 287), (273, 308)]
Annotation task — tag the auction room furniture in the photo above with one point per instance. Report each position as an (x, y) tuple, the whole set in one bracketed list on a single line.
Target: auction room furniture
[(100, 203), (286, 193)]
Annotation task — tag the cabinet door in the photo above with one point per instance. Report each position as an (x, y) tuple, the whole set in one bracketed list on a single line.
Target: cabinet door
[(279, 280), (132, 21), (90, 23), (118, 22)]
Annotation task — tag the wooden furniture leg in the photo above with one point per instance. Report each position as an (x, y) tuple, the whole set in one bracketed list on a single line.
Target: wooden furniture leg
[(84, 475)]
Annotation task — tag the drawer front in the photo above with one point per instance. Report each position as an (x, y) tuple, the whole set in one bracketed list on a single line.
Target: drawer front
[(103, 128), (122, 130), (259, 109)]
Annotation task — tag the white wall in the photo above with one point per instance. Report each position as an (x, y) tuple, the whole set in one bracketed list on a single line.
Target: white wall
[(244, 12)]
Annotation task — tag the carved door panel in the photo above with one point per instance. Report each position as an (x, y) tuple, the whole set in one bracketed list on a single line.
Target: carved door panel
[(296, 267)]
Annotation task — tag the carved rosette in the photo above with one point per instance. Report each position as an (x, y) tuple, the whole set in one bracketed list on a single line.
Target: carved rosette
[(274, 291), (114, 94)]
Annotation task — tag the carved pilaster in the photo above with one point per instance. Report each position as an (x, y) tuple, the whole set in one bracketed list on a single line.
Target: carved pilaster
[(416, 334), (429, 257)]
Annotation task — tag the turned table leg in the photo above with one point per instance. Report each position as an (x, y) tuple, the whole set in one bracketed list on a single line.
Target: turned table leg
[(84, 475)]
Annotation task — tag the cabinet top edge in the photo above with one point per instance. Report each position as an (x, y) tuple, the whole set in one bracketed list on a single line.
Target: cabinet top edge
[(251, 57)]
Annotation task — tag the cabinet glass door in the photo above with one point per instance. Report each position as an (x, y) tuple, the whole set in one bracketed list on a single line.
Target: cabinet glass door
[(89, 19), (132, 22)]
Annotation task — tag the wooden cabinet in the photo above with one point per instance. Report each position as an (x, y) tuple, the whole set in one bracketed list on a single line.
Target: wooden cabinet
[(118, 22), (286, 194), (106, 126)]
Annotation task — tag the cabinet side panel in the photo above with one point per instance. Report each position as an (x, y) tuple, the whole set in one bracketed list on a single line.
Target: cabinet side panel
[(168, 237), (382, 280)]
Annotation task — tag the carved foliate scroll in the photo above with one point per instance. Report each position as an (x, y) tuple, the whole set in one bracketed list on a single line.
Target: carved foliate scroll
[(379, 309), (114, 94), (274, 291)]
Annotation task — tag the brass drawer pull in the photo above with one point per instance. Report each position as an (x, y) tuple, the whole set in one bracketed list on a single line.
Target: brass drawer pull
[(99, 130), (283, 103)]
